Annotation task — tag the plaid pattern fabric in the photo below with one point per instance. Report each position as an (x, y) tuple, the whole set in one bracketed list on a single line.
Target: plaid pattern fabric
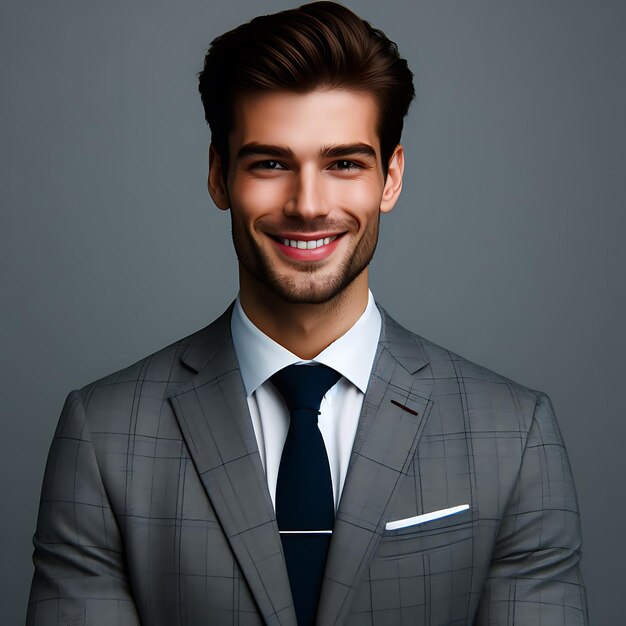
[(155, 509)]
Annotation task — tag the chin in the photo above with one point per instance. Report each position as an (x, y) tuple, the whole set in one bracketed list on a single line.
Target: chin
[(309, 290)]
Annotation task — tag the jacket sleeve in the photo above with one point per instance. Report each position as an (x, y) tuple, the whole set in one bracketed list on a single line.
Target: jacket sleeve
[(80, 574), (534, 578)]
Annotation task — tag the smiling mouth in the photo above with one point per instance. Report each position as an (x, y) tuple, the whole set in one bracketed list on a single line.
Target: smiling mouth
[(302, 244)]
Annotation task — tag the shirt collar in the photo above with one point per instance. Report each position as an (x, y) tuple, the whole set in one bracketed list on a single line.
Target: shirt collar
[(352, 354)]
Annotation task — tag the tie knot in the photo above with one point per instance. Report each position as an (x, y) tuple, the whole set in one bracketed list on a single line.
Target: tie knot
[(304, 386)]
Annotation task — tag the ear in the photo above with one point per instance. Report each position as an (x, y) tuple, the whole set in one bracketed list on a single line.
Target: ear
[(393, 184), (216, 184)]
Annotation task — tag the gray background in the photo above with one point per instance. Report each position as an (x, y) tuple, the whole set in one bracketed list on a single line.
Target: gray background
[(111, 247)]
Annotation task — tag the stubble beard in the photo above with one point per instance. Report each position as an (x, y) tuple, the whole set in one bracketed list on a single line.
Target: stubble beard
[(310, 284)]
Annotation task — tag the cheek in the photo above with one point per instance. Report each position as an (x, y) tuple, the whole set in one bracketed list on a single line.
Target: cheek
[(362, 201), (257, 197)]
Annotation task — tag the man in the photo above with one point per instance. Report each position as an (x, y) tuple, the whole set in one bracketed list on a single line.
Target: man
[(305, 459)]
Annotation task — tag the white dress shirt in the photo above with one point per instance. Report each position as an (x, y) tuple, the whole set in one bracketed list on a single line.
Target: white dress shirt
[(352, 355)]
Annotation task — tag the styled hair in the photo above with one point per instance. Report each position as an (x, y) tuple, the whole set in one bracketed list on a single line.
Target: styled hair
[(318, 45)]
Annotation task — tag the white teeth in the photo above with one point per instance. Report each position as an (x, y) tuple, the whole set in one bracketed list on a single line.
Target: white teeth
[(308, 245)]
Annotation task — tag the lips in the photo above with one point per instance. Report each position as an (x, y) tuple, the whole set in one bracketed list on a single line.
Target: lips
[(309, 244), (303, 250)]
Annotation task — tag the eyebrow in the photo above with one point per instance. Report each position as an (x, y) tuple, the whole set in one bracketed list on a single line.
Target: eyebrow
[(330, 151)]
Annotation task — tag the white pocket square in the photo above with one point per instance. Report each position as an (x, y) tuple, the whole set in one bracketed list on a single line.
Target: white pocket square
[(426, 517)]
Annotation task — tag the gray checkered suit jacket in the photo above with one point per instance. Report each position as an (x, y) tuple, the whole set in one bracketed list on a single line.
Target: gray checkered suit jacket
[(155, 508)]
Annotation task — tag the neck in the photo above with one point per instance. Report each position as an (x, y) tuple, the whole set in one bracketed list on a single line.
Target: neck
[(304, 329)]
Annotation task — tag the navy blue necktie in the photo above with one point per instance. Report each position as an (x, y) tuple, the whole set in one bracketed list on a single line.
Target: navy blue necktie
[(305, 507)]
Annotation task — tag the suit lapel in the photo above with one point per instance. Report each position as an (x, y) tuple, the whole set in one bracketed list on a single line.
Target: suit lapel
[(213, 414), (395, 409)]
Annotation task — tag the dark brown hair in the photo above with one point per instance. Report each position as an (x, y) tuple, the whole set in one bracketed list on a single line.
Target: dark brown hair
[(318, 45)]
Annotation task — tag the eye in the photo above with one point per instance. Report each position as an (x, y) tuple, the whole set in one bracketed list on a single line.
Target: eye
[(268, 165), (344, 164)]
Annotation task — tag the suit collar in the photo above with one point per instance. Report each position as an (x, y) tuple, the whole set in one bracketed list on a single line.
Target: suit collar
[(207, 342), (404, 346)]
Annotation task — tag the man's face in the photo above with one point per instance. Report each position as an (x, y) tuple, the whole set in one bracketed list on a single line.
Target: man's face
[(305, 189)]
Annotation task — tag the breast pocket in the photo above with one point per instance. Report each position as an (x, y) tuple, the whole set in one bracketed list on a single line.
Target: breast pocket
[(421, 574), (446, 531)]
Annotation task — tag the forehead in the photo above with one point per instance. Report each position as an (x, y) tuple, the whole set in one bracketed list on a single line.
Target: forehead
[(304, 122)]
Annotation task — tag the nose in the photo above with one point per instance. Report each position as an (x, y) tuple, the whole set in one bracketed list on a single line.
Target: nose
[(307, 194)]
